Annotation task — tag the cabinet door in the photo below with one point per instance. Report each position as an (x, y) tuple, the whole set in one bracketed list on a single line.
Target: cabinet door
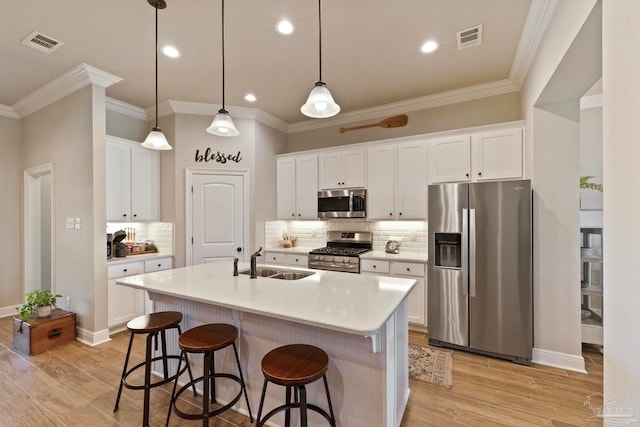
[(274, 258), (411, 181), (145, 184), (450, 159), (123, 302), (307, 187), (353, 168), (381, 182), (297, 260), (118, 181), (286, 188), (330, 171), (418, 303), (497, 155)]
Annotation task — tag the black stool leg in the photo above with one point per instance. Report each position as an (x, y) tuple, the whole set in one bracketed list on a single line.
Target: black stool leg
[(303, 406), (165, 361), (195, 393), (264, 392), (175, 383), (147, 381), (244, 388), (212, 378), (124, 371), (326, 388), (205, 388), (287, 412)]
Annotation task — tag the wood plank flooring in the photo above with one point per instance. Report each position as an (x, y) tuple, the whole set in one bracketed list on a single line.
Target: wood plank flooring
[(76, 385)]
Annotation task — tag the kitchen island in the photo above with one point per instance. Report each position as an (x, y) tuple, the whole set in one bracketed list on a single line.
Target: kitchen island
[(359, 320)]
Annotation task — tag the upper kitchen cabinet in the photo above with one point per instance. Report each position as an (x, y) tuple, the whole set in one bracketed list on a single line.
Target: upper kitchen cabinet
[(490, 155), (397, 181), (297, 187), (341, 169), (133, 181)]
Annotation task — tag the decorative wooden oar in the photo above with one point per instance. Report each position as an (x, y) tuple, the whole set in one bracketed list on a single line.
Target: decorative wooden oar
[(390, 122)]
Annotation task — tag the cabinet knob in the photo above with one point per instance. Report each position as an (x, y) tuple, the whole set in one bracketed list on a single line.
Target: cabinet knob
[(408, 269), (467, 175), (390, 213), (274, 258), (238, 249), (374, 266), (400, 214), (297, 259), (479, 173), (299, 214), (124, 215), (159, 265), (125, 270)]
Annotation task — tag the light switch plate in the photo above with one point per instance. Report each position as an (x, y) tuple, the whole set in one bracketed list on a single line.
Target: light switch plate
[(70, 223), (78, 223)]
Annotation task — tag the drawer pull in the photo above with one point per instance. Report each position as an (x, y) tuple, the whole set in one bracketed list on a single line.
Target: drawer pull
[(55, 332), (374, 266), (159, 265), (408, 269), (125, 270)]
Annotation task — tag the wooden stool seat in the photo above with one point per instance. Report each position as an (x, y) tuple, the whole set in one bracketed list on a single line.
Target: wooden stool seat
[(154, 322), (154, 325), (206, 340), (294, 366)]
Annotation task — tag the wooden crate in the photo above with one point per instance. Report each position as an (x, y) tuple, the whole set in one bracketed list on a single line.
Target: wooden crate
[(37, 335)]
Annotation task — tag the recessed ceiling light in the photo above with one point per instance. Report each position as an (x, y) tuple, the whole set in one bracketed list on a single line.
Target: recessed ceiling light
[(171, 51), (429, 46), (250, 97), (284, 27)]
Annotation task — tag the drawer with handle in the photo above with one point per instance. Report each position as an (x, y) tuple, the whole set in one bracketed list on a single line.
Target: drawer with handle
[(158, 264), (127, 269), (374, 266), (407, 269)]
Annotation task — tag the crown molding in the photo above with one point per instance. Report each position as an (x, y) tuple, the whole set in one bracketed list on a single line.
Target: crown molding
[(203, 109), (7, 111), (445, 98), (126, 109), (540, 13), (71, 81)]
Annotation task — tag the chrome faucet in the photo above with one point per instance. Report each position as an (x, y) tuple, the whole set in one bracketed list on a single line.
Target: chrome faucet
[(235, 266), (252, 269)]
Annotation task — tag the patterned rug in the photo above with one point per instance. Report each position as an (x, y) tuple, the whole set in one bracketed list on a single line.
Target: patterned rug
[(431, 365)]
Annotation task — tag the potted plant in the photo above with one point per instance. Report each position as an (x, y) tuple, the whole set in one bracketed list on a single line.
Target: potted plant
[(38, 303), (586, 184)]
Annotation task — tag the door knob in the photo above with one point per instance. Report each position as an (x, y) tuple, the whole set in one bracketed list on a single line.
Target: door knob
[(238, 249)]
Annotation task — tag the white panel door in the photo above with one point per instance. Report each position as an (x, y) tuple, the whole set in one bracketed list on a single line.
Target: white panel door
[(217, 217)]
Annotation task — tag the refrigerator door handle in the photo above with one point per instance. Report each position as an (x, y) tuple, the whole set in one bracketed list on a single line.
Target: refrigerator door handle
[(472, 252), (465, 252)]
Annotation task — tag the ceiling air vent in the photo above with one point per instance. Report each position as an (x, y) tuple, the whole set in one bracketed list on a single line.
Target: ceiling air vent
[(42, 43), (469, 37)]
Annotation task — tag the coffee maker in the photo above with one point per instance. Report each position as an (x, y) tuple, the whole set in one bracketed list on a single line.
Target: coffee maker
[(119, 248), (109, 245)]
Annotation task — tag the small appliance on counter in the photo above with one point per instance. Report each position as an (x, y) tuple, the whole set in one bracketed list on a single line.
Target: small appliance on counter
[(109, 245), (119, 249)]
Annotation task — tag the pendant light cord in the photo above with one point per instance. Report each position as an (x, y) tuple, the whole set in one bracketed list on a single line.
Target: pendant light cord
[(319, 37), (223, 55), (156, 67)]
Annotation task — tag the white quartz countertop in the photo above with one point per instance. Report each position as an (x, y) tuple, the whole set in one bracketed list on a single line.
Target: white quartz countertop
[(134, 258), (352, 303), (402, 256)]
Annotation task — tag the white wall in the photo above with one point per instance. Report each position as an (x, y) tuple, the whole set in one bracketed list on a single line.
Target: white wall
[(621, 129), (10, 215)]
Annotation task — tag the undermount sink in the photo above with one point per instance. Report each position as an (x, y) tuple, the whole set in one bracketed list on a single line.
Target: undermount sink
[(280, 273)]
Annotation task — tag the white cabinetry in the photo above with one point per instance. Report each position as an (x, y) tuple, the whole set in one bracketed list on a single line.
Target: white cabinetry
[(397, 181), (125, 303), (489, 155), (414, 270), (341, 169), (133, 181), (297, 187), (279, 258)]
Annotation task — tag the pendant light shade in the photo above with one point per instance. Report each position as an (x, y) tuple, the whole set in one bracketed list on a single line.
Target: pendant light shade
[(156, 139), (320, 103), (222, 124)]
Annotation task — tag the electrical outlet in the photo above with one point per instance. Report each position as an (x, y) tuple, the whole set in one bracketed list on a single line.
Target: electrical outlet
[(78, 223), (70, 223)]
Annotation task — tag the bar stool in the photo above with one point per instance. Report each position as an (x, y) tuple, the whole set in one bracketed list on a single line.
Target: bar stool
[(295, 366), (152, 325), (207, 339)]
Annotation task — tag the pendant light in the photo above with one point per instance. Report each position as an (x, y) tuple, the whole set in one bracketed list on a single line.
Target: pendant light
[(156, 139), (320, 103), (222, 124)]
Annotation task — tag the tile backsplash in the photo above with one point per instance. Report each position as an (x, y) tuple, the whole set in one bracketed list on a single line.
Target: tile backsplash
[(161, 233), (312, 234)]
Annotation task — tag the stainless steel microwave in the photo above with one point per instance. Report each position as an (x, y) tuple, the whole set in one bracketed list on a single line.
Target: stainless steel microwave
[(348, 203)]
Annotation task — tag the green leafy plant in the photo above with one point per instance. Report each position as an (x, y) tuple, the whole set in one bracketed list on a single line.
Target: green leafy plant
[(35, 299), (587, 185)]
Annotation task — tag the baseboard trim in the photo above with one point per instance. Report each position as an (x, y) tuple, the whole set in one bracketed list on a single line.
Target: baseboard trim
[(92, 338), (559, 360)]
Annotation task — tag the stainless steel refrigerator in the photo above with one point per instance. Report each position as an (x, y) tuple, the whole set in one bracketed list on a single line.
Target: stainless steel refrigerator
[(480, 268)]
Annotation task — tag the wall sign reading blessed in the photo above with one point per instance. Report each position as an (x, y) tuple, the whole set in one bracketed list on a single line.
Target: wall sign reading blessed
[(211, 156)]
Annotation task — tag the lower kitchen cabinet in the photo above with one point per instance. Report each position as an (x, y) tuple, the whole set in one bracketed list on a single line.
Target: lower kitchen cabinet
[(279, 258), (402, 269), (125, 303)]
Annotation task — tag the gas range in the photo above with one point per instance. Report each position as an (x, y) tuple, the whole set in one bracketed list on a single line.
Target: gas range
[(342, 251)]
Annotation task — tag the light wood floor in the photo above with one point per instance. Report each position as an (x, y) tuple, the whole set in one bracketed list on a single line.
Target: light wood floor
[(76, 385)]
